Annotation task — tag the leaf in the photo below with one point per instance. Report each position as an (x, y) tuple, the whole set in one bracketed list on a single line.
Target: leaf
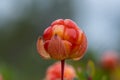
[(90, 68)]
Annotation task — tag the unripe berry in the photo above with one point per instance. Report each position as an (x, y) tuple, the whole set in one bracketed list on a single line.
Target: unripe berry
[(63, 39)]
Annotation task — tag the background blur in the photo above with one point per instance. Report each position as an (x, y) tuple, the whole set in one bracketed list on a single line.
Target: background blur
[(22, 21)]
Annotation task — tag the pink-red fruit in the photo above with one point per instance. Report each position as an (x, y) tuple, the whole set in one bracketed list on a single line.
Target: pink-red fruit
[(63, 39)]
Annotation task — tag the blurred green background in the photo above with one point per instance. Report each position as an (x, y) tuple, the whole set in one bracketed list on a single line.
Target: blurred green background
[(23, 21)]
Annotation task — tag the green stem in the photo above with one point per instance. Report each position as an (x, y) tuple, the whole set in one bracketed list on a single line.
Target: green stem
[(62, 69)]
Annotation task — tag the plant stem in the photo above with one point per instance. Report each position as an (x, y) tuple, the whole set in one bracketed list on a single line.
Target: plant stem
[(62, 69), (89, 78)]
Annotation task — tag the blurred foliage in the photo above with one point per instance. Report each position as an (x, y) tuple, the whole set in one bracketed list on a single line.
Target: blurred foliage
[(7, 72), (91, 72), (89, 68), (19, 59)]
